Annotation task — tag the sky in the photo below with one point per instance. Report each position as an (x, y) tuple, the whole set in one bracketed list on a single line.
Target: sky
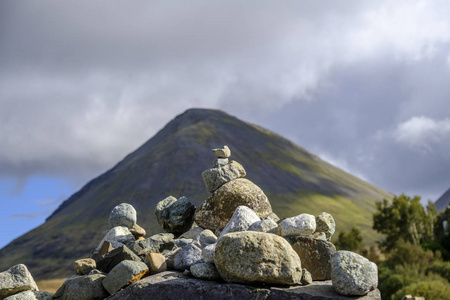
[(364, 85)]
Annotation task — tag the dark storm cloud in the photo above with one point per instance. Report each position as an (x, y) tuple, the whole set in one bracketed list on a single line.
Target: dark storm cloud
[(81, 85)]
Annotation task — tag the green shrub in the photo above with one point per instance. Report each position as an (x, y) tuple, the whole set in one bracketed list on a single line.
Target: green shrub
[(441, 268), (430, 290)]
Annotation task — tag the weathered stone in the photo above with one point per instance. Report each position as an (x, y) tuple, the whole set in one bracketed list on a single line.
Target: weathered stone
[(192, 233), (157, 243), (15, 280), (208, 253), (156, 262), (167, 285), (273, 217), (216, 211), (123, 214), (188, 256), (30, 295), (325, 223), (353, 274), (108, 261), (104, 248), (124, 274), (223, 152), (117, 236), (175, 216), (306, 277), (301, 225), (84, 266), (170, 258), (315, 255), (241, 219), (88, 287), (206, 237), (137, 231), (205, 270), (214, 178), (220, 162), (266, 225), (257, 257), (319, 236), (180, 243)]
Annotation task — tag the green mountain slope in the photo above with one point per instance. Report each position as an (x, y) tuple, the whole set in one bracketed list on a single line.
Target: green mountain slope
[(171, 163)]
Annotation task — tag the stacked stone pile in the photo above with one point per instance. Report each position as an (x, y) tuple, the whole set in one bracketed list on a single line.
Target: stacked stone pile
[(235, 239)]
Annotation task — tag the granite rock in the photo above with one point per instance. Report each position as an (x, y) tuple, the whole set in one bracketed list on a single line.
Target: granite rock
[(205, 270), (266, 225), (125, 273), (257, 258), (175, 216), (216, 177), (208, 253), (16, 279), (223, 152), (301, 225), (88, 287), (137, 231), (156, 262), (117, 236), (241, 219), (111, 259), (206, 237), (84, 266), (326, 224), (123, 214), (186, 257), (306, 277), (30, 295), (216, 211)]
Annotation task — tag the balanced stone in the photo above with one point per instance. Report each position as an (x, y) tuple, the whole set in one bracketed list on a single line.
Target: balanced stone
[(216, 211), (301, 225), (216, 177), (266, 225), (124, 274), (175, 216), (257, 257), (82, 288), (30, 295), (111, 259), (221, 162), (137, 231), (325, 223), (315, 255), (353, 274), (123, 214), (241, 219), (15, 280), (84, 266), (223, 152), (205, 270), (186, 257)]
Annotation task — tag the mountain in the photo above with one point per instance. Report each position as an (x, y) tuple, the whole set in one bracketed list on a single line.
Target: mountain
[(171, 163), (443, 201)]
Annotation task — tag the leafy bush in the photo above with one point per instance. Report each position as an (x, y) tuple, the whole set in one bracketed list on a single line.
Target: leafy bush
[(430, 290), (440, 267)]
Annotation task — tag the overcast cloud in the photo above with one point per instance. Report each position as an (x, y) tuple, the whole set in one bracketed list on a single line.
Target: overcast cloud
[(364, 84)]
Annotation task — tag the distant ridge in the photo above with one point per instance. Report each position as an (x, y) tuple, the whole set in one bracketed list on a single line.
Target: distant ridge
[(171, 163), (443, 201)]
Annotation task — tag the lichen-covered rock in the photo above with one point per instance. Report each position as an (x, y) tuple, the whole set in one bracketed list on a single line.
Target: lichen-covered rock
[(123, 214), (325, 223), (30, 295), (124, 274), (175, 216), (216, 211), (205, 270), (266, 225), (301, 225), (216, 177), (241, 219), (306, 277), (111, 259), (315, 255), (84, 266), (353, 274), (156, 262), (187, 256), (88, 287), (206, 237), (117, 236), (157, 243), (257, 257), (15, 280), (208, 253)]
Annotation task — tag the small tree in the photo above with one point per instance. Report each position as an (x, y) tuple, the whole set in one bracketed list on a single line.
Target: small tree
[(349, 240)]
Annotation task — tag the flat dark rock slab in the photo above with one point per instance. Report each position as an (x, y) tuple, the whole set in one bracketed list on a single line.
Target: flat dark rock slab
[(175, 285)]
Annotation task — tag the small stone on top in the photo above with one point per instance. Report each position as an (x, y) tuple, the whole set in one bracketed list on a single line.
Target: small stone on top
[(223, 152)]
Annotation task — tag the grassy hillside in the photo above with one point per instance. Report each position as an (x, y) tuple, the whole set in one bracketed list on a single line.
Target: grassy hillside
[(171, 163)]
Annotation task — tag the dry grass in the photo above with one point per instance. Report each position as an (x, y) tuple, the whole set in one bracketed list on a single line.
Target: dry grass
[(50, 285)]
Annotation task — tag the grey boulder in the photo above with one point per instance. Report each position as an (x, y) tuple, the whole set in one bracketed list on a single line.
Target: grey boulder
[(353, 274), (301, 225), (208, 253), (205, 270), (187, 256), (123, 214), (241, 219), (214, 178), (111, 259), (124, 274), (266, 225), (117, 236), (15, 280), (257, 258), (175, 216), (30, 295), (206, 237), (326, 224), (88, 287)]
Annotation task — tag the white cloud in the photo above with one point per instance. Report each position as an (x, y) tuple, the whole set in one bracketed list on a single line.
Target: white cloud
[(423, 133)]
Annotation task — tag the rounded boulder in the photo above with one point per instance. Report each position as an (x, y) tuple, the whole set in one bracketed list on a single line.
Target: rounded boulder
[(123, 214)]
